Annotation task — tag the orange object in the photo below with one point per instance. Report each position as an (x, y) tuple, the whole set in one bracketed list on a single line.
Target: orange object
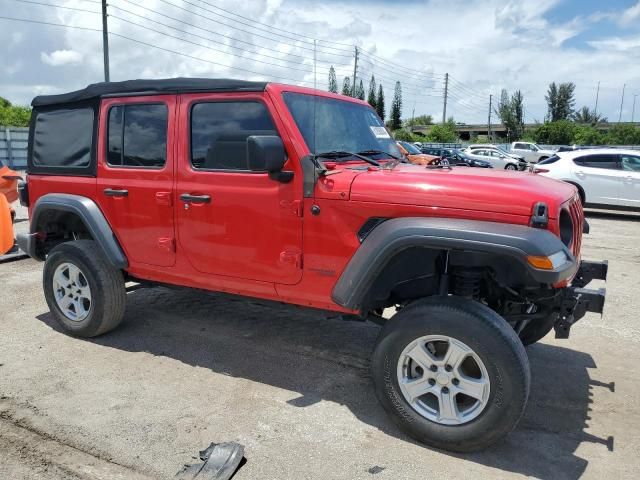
[(6, 226), (418, 158), (9, 183)]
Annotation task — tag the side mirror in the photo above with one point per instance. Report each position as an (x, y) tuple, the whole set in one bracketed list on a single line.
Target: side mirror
[(265, 153)]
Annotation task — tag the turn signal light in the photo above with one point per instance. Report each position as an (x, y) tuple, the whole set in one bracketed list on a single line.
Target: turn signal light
[(543, 263), (540, 170)]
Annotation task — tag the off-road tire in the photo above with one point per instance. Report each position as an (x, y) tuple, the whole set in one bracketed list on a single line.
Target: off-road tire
[(105, 281), (536, 331), (489, 336)]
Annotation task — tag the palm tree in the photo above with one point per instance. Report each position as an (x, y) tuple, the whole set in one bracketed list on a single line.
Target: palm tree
[(586, 115)]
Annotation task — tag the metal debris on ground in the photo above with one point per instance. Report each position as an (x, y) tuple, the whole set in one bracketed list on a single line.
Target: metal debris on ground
[(220, 461)]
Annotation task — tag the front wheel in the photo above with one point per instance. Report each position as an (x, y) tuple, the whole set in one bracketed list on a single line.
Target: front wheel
[(511, 166), (451, 373)]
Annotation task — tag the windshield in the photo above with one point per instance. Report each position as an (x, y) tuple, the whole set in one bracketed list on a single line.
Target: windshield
[(339, 125), (412, 149)]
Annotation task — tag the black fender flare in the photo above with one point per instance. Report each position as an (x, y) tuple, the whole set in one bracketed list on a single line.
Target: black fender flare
[(516, 242), (90, 214)]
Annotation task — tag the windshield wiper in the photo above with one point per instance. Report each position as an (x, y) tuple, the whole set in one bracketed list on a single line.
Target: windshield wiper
[(342, 153), (379, 152)]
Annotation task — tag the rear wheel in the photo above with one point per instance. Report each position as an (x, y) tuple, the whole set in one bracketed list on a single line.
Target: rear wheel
[(536, 331), (85, 293), (451, 373), (511, 166)]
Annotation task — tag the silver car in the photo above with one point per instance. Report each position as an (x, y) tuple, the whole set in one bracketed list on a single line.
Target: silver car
[(497, 158)]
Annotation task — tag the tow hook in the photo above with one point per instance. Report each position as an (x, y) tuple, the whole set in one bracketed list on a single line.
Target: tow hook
[(577, 301)]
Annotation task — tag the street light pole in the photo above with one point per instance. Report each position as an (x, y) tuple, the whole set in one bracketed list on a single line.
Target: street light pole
[(105, 41)]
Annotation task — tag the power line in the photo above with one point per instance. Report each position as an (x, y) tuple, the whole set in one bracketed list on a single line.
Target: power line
[(204, 46), (253, 21), (28, 20), (44, 4), (397, 66), (155, 12), (309, 48)]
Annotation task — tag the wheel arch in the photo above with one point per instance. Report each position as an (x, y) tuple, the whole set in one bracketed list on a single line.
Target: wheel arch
[(58, 217), (412, 253), (581, 192)]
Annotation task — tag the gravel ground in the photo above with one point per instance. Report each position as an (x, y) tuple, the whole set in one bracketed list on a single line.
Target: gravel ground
[(186, 369)]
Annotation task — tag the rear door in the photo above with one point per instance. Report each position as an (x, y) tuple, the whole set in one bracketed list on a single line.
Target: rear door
[(135, 175), (631, 170), (601, 177), (232, 221)]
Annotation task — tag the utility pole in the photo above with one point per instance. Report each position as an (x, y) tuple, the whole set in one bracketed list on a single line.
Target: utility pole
[(633, 110), (621, 102), (105, 40), (355, 72), (595, 110), (446, 93), (489, 119)]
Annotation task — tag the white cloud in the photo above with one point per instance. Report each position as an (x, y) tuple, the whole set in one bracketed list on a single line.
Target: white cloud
[(61, 57), (630, 15)]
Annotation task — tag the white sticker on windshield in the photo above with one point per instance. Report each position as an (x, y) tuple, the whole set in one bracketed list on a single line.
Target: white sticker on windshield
[(380, 132)]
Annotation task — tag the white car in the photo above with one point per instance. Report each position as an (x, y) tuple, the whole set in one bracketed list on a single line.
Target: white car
[(531, 152), (496, 158), (605, 177)]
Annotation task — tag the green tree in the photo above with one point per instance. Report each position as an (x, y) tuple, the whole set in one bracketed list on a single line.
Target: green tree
[(404, 135), (560, 132), (560, 101), (588, 135), (419, 120), (587, 116), (443, 133), (360, 90), (4, 102), (380, 103), (621, 134), (346, 87), (510, 110), (396, 108), (371, 97), (14, 115), (333, 83)]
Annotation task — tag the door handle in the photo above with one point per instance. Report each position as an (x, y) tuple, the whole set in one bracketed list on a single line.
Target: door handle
[(188, 198), (580, 173), (111, 192)]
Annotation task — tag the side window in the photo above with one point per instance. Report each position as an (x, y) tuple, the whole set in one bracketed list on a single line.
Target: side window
[(478, 152), (630, 163), (609, 162), (521, 146), (137, 136), (219, 132)]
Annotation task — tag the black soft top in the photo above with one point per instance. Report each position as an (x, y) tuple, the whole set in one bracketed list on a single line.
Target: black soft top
[(165, 85)]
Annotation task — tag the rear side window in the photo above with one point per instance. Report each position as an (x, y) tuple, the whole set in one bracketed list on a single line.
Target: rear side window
[(62, 139), (630, 163), (609, 162), (219, 132), (137, 136)]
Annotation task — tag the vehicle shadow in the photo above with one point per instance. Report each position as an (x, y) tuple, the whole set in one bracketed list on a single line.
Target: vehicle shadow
[(329, 358)]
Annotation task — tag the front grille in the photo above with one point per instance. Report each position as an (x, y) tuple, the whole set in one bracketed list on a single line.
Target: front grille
[(577, 218)]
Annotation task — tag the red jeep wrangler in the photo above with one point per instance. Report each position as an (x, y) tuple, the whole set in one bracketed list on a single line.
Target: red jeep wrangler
[(300, 196)]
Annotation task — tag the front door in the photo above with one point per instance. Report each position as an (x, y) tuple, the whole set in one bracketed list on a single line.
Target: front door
[(631, 170), (232, 221), (135, 176)]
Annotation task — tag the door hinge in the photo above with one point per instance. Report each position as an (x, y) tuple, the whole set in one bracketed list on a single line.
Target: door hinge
[(167, 243), (291, 258), (294, 206)]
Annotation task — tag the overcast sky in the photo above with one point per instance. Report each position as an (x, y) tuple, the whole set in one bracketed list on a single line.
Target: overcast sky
[(484, 45)]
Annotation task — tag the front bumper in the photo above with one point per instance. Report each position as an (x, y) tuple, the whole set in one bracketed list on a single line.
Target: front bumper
[(576, 300)]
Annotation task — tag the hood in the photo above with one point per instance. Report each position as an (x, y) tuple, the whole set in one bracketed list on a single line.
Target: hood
[(483, 190)]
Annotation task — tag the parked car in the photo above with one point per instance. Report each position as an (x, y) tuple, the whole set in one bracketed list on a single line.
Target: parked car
[(488, 146), (496, 158), (415, 156), (531, 152), (456, 157), (606, 177), (277, 206)]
